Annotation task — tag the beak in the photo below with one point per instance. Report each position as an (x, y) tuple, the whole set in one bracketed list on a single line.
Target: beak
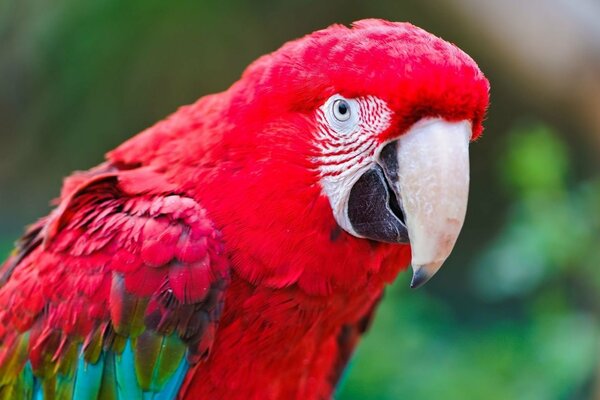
[(427, 169)]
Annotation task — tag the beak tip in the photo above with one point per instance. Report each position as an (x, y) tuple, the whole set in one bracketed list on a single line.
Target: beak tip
[(422, 273), (420, 277)]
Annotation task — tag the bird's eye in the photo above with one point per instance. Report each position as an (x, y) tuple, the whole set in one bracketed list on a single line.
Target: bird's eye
[(343, 115), (341, 110)]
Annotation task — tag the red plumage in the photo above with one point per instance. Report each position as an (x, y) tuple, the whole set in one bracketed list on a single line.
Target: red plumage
[(222, 201)]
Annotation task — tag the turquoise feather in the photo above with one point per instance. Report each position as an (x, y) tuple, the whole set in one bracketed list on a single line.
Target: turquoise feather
[(171, 388), (108, 387), (113, 376), (38, 394), (88, 378), (127, 383), (164, 388), (27, 381), (23, 388)]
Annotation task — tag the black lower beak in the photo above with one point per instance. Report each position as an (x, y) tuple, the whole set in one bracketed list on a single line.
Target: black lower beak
[(373, 208)]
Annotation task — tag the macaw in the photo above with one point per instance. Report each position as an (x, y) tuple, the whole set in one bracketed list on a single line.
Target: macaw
[(238, 249)]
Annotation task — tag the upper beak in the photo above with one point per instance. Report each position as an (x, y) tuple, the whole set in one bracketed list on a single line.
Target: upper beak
[(428, 170)]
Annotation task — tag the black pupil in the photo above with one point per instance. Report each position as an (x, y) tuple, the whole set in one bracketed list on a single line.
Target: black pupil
[(342, 107)]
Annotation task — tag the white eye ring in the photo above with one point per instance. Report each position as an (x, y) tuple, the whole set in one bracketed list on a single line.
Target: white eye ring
[(341, 110), (343, 115)]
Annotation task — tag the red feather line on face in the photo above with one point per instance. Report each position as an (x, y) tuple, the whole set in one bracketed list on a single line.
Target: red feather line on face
[(342, 152)]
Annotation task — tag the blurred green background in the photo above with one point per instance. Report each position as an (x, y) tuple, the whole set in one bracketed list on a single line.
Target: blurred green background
[(515, 312)]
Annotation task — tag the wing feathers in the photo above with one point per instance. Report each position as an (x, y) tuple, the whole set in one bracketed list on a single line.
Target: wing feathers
[(124, 294)]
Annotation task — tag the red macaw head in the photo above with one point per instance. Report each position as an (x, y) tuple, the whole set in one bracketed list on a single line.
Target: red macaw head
[(364, 128), (391, 110)]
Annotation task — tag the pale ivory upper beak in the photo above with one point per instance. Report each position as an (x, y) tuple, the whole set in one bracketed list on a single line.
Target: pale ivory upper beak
[(433, 185)]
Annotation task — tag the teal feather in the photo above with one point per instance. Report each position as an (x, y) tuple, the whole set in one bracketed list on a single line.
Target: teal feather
[(171, 388), (127, 383), (88, 378), (156, 359), (27, 381), (172, 354), (108, 388), (22, 388), (160, 361), (37, 388)]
